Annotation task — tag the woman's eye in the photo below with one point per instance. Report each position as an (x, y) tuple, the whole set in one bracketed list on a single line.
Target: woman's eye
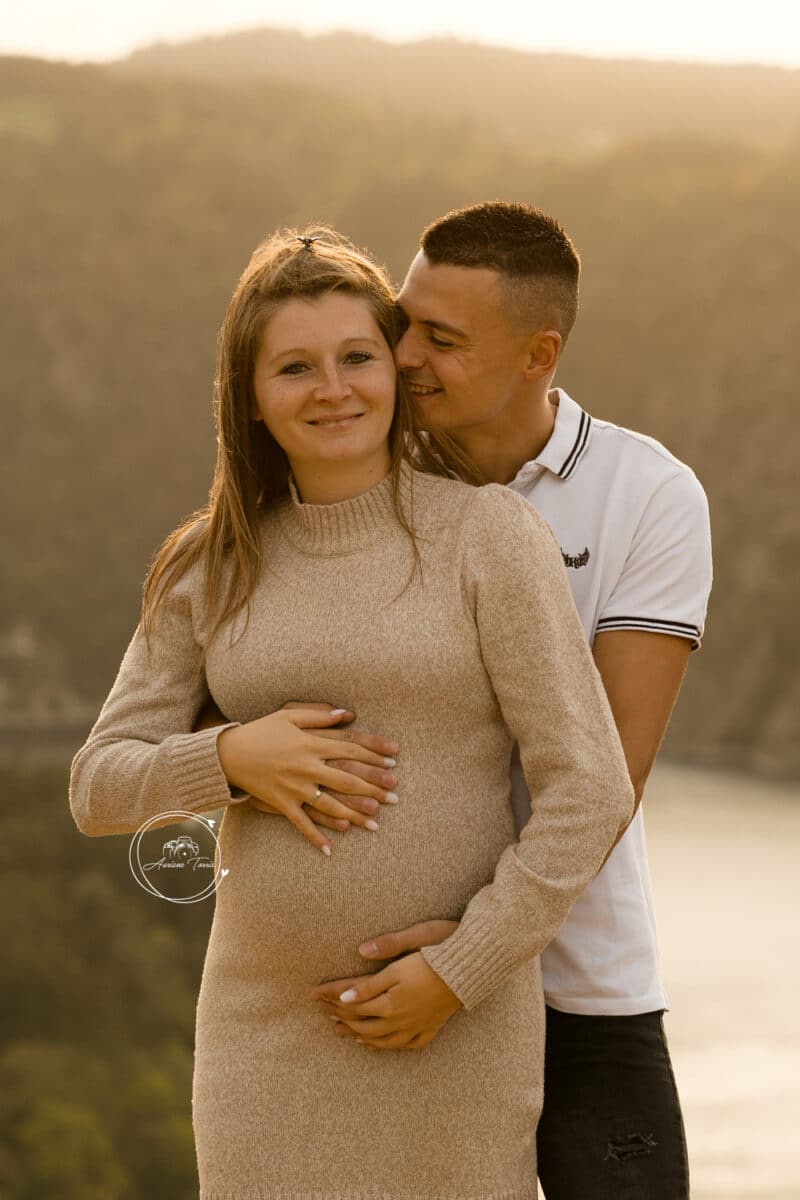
[(358, 356), (292, 368)]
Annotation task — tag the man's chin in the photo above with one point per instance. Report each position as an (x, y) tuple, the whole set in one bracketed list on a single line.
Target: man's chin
[(428, 412)]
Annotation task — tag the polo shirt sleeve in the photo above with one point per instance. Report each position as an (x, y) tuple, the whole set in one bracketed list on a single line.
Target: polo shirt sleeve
[(665, 584)]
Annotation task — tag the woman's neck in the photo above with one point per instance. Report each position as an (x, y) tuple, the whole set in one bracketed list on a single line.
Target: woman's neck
[(331, 483)]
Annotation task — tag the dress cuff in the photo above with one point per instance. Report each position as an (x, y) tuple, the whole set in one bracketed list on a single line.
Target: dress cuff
[(472, 962), (199, 778)]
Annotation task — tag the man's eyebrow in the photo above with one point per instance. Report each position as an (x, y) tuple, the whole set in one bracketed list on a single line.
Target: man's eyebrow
[(445, 328)]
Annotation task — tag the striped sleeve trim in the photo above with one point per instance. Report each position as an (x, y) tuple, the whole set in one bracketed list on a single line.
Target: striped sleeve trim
[(651, 625)]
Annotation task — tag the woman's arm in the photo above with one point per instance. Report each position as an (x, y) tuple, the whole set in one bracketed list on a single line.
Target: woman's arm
[(142, 757), (554, 704)]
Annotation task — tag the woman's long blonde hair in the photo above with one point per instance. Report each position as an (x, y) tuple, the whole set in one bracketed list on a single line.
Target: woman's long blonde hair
[(252, 471)]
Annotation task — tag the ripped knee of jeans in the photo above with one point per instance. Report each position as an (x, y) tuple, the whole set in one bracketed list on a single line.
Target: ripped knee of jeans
[(633, 1145)]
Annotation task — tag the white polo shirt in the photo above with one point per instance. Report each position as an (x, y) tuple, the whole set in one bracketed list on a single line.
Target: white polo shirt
[(632, 523)]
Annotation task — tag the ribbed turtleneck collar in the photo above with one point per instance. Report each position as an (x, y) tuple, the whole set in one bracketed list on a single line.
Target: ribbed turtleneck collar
[(348, 525)]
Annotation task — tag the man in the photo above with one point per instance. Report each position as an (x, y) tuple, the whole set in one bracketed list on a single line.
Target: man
[(490, 300)]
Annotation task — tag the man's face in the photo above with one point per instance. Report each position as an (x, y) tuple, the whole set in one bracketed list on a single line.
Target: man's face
[(460, 356)]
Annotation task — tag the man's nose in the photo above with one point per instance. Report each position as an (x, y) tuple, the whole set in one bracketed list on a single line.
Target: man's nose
[(408, 352), (332, 385)]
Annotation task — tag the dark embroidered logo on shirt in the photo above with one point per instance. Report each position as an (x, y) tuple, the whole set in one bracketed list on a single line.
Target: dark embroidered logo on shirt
[(576, 560)]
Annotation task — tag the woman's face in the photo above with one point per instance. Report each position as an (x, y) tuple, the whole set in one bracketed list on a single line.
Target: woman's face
[(325, 384)]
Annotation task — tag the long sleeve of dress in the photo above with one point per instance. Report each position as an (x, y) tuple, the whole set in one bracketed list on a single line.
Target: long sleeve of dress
[(141, 757), (553, 702)]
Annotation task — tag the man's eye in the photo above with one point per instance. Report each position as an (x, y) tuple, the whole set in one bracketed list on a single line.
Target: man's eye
[(358, 356), (292, 368), (437, 341)]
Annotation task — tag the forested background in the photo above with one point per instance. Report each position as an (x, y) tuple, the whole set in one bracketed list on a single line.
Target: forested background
[(131, 197)]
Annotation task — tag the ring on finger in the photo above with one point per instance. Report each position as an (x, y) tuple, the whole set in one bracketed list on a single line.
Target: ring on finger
[(316, 795)]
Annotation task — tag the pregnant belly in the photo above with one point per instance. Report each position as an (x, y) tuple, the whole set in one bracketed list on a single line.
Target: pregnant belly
[(289, 916)]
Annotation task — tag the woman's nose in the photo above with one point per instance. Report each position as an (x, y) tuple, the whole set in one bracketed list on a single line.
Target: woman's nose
[(332, 386)]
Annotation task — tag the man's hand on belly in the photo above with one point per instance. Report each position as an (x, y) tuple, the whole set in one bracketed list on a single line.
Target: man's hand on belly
[(402, 1007), (414, 937)]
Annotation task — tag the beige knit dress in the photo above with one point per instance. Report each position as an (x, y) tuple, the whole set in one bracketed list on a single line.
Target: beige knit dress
[(483, 648)]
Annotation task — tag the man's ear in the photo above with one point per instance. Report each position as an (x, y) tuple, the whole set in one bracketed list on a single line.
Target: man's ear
[(544, 351)]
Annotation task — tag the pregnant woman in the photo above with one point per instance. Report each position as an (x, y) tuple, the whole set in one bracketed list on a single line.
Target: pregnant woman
[(327, 565)]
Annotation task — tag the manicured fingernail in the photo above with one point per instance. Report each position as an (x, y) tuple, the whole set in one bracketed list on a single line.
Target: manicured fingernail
[(390, 762), (349, 995), (338, 712), (368, 948), (326, 850), (391, 798), (370, 824)]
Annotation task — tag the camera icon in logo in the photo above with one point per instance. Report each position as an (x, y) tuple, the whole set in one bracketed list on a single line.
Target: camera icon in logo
[(181, 849)]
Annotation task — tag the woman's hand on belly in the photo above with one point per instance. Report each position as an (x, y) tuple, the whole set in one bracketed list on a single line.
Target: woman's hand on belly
[(379, 777), (286, 759), (401, 1007)]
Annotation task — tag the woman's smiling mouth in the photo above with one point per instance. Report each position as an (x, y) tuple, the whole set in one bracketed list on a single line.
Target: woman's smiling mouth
[(336, 422)]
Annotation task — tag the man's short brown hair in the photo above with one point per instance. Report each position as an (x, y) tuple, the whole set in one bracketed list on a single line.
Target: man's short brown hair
[(537, 262)]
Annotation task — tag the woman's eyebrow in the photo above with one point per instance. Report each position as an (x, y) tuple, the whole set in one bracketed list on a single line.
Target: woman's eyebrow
[(344, 342)]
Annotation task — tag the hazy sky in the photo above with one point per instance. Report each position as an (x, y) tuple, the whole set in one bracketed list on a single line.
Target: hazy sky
[(767, 31)]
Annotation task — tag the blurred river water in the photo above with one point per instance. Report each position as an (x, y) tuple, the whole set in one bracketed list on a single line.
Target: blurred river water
[(725, 863)]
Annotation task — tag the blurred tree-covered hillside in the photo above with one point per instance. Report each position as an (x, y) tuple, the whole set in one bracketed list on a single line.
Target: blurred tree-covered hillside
[(97, 998), (130, 202), (561, 102)]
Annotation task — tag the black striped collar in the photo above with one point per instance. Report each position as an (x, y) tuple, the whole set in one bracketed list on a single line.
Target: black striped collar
[(570, 437)]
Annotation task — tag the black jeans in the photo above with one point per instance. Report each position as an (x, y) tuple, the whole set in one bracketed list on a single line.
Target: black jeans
[(611, 1124)]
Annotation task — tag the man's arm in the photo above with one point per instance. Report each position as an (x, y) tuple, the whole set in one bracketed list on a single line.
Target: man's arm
[(642, 674)]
